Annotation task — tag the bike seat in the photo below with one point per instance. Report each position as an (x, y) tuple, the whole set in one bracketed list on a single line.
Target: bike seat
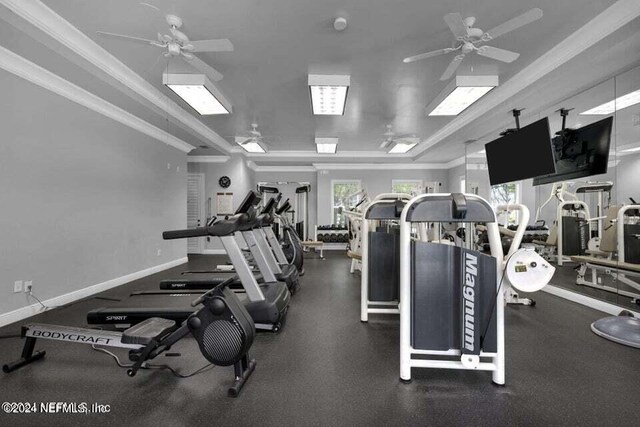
[(145, 332)]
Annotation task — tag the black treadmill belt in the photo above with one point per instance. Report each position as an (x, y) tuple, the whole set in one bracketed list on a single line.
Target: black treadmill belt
[(139, 307)]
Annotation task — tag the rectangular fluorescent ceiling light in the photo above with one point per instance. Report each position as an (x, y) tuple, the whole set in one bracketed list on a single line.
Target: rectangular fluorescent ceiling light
[(328, 94), (619, 103), (326, 145), (197, 91), (250, 146), (627, 148), (460, 93), (630, 150), (403, 146)]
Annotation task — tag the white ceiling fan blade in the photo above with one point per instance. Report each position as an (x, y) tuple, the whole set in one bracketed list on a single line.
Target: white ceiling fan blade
[(427, 55), (205, 68), (407, 141), (131, 38), (453, 66), (499, 54), (242, 139), (188, 56), (512, 24), (456, 25), (385, 143), (150, 5), (215, 45)]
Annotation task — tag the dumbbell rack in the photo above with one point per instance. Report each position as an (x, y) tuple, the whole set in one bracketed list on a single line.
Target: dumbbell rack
[(331, 245)]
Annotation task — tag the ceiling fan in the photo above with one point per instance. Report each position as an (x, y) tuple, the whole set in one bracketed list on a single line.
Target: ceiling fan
[(391, 138), (251, 140), (177, 44), (469, 38)]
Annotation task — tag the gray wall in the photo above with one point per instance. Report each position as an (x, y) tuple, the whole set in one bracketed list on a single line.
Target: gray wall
[(374, 181), (453, 178), (242, 180), (84, 199), (288, 190)]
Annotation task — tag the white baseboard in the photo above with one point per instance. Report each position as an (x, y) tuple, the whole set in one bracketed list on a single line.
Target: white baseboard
[(30, 310), (596, 304), (214, 252)]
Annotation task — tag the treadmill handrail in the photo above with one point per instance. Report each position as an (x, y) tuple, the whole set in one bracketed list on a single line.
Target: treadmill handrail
[(286, 205), (220, 228)]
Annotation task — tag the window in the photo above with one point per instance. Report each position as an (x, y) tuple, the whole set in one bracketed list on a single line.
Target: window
[(344, 195), (506, 194), (463, 184), (408, 186)]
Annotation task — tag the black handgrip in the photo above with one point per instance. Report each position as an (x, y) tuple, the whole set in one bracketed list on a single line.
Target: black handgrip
[(183, 234), (212, 291), (459, 205), (197, 301), (283, 207)]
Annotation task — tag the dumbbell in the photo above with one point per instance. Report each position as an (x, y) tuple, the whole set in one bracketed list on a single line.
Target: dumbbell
[(506, 244)]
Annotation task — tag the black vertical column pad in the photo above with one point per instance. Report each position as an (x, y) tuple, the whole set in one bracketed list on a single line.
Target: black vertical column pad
[(632, 243), (384, 266), (477, 301), (437, 298)]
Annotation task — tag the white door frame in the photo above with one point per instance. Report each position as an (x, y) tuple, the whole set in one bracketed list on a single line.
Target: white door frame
[(195, 245)]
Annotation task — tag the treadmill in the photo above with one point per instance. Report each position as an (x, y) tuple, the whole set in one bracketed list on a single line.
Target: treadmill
[(266, 303), (265, 250)]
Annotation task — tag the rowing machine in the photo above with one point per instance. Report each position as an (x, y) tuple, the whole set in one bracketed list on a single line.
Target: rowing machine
[(222, 328)]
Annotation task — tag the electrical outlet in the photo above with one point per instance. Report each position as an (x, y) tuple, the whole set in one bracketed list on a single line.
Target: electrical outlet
[(168, 165), (17, 286), (159, 252), (28, 286)]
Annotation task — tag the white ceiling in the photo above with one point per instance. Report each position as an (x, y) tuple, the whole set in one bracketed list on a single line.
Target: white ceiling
[(278, 42)]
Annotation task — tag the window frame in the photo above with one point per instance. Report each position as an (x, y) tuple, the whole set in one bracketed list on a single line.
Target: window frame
[(518, 196), (341, 181), (394, 182)]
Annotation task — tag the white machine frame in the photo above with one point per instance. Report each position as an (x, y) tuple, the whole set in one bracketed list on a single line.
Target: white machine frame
[(442, 359), (560, 257), (366, 306), (354, 225), (614, 269), (511, 296)]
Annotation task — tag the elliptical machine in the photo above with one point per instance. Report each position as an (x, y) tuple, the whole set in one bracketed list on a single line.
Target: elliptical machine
[(292, 245)]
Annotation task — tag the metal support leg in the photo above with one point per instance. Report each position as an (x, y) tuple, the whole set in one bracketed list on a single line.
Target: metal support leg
[(243, 370), (27, 356)]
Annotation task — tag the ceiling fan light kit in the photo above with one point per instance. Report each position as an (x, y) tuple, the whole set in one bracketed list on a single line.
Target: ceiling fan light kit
[(460, 93), (197, 91), (328, 94)]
